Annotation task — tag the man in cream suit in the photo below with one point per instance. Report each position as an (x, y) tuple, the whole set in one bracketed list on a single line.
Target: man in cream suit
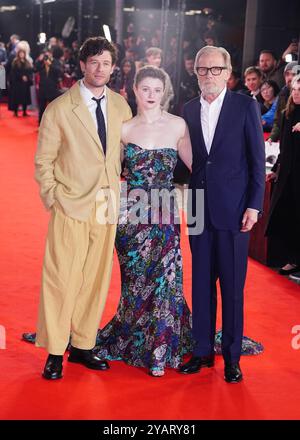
[(77, 163)]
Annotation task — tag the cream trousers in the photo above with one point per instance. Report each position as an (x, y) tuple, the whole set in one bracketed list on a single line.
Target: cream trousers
[(75, 280)]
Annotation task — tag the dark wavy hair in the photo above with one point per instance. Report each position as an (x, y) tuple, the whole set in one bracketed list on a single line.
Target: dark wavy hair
[(57, 52), (132, 69), (95, 46), (272, 84), (17, 60)]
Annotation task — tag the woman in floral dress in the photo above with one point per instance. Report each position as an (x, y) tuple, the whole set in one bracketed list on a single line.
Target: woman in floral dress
[(152, 326)]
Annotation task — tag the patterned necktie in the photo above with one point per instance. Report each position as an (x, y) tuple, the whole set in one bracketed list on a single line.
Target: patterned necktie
[(101, 123)]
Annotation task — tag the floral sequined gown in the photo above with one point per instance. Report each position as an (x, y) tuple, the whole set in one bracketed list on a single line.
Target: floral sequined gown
[(152, 326)]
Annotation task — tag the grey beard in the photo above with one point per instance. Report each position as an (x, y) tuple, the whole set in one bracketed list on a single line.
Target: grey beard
[(213, 90)]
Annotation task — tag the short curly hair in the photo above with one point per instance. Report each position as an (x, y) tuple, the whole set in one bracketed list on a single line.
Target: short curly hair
[(95, 46)]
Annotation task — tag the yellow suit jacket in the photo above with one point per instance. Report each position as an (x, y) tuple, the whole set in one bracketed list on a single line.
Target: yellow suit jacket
[(70, 165)]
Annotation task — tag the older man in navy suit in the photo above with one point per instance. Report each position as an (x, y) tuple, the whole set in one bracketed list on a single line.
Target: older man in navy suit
[(229, 165)]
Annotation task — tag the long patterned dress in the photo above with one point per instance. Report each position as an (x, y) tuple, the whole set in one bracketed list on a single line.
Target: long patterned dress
[(152, 326)]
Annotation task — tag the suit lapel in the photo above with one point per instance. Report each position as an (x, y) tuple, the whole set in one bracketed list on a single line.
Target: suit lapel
[(197, 123), (222, 121), (112, 117), (82, 113)]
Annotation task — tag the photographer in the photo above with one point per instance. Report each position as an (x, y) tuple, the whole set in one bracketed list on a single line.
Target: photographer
[(50, 70)]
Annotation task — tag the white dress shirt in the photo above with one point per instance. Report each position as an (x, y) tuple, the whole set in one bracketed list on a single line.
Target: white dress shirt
[(91, 104), (209, 117), (255, 93)]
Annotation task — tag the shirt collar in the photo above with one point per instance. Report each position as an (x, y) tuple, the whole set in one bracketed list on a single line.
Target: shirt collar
[(88, 95), (219, 100), (256, 92)]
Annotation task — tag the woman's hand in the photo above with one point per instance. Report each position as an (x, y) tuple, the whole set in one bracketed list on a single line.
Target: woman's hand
[(125, 172), (271, 176), (296, 127)]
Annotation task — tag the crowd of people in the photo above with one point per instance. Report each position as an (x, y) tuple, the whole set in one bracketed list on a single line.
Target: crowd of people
[(56, 69), (152, 327)]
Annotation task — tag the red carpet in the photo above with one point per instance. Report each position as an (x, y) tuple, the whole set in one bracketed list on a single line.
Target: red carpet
[(271, 389)]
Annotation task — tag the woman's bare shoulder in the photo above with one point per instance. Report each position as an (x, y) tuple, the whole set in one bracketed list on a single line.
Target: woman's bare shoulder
[(127, 127), (175, 118), (178, 123), (131, 122)]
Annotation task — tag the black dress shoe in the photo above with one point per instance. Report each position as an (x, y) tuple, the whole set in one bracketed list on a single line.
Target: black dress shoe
[(195, 364), (53, 367), (233, 373), (295, 277), (87, 358), (289, 271), (29, 337)]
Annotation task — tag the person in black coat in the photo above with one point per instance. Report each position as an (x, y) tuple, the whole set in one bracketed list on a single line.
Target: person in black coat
[(124, 83), (235, 84), (284, 215), (50, 71), (20, 81), (189, 87)]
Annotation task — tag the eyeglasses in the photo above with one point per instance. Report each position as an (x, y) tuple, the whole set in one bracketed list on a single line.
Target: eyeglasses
[(215, 70)]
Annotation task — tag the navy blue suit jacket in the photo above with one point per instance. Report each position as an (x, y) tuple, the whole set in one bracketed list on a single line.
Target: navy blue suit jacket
[(233, 173)]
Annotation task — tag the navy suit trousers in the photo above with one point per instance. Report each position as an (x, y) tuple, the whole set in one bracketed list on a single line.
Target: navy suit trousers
[(223, 255)]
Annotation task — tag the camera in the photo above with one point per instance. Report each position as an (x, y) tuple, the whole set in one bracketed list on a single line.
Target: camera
[(46, 58)]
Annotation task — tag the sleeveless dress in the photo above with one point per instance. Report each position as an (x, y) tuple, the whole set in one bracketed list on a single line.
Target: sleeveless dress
[(152, 326)]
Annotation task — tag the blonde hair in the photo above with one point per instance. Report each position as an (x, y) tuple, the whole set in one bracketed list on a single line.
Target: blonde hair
[(153, 51), (253, 69), (213, 49), (290, 106)]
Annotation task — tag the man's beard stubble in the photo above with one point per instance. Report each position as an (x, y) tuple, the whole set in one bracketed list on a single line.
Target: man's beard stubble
[(211, 89)]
